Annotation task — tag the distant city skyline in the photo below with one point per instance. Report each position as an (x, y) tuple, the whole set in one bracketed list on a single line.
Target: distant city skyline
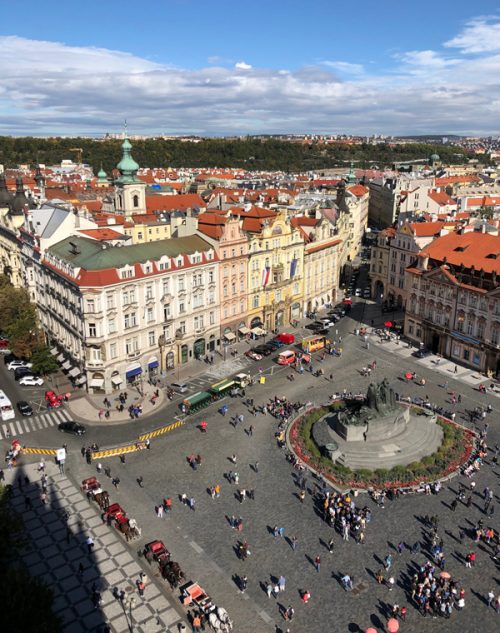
[(214, 69)]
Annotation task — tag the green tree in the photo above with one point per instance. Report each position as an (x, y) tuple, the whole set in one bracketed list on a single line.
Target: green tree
[(43, 361), (19, 320)]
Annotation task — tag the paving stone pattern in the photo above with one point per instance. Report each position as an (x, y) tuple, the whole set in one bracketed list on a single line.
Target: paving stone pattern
[(57, 548)]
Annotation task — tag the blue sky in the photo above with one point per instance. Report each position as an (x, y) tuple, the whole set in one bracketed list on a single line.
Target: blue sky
[(216, 67)]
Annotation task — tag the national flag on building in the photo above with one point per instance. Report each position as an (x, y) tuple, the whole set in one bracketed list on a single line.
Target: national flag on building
[(266, 273)]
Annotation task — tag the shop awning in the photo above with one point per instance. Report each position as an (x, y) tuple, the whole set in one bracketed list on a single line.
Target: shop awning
[(133, 370), (244, 330), (82, 380), (74, 372), (66, 365), (54, 351), (229, 336), (258, 331), (153, 362), (96, 382), (60, 358), (116, 380)]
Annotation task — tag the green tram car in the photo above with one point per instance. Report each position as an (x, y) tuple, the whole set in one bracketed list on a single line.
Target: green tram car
[(202, 399)]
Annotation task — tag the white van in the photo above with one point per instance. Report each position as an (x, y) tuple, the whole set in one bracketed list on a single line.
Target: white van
[(6, 410)]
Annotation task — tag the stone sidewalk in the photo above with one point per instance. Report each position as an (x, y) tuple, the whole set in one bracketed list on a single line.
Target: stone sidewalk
[(432, 362), (57, 547), (86, 407)]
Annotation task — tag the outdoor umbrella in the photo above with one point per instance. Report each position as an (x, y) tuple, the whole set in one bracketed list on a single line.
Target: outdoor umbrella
[(388, 324), (392, 625), (347, 301), (444, 574)]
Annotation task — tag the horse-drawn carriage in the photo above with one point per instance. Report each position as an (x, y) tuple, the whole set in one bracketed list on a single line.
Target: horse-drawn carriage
[(93, 490), (156, 551), (192, 594), (116, 515), (172, 572), (128, 527), (90, 484)]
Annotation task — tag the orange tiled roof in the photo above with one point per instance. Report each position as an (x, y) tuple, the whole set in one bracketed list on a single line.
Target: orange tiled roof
[(172, 203), (102, 234), (358, 190), (426, 229), (450, 180), (470, 249), (442, 198)]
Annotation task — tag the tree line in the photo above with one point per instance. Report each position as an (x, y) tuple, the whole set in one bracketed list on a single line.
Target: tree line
[(20, 326), (249, 153)]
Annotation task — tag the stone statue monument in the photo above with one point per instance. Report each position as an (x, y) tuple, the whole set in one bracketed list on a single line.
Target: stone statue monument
[(380, 402)]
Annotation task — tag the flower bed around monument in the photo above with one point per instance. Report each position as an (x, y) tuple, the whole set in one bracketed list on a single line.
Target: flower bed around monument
[(455, 450)]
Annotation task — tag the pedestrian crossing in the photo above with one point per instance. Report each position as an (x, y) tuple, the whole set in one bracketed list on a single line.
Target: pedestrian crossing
[(14, 428)]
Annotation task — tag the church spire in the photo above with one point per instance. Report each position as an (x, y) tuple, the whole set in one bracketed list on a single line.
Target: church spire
[(127, 166)]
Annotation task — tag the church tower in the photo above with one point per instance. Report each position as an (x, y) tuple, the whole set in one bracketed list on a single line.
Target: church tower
[(130, 192)]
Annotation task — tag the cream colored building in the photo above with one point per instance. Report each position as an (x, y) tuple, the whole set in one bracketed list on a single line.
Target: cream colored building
[(121, 315), (321, 257)]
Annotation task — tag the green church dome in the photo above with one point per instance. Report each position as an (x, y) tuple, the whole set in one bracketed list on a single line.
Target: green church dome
[(127, 166)]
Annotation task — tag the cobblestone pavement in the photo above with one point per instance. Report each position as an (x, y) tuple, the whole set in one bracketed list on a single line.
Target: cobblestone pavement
[(57, 548), (205, 545)]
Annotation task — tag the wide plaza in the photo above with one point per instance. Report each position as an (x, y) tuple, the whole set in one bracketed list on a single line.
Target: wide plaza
[(206, 546)]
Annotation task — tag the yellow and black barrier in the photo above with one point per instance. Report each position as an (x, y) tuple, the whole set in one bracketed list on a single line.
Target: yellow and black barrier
[(118, 450), (160, 431), (138, 445), (28, 450)]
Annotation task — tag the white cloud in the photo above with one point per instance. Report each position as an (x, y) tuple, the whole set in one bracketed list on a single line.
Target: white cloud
[(345, 67), (480, 35), (51, 88), (425, 60)]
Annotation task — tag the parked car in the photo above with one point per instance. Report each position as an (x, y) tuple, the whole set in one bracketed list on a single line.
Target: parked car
[(274, 345), (20, 372), (18, 363), (24, 408), (8, 358), (31, 381), (72, 427), (357, 292), (285, 338), (179, 387), (327, 322), (253, 355), (263, 349)]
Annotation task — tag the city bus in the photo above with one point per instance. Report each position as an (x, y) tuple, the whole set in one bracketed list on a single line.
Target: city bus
[(6, 410), (313, 343)]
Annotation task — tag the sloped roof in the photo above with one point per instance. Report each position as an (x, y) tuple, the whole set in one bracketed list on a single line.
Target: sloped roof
[(441, 198), (92, 255), (103, 234), (171, 203), (480, 250)]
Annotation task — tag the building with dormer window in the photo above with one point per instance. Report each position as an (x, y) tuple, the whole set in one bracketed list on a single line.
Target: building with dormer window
[(119, 315)]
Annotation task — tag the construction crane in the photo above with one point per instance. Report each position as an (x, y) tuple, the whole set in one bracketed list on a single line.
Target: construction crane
[(79, 152)]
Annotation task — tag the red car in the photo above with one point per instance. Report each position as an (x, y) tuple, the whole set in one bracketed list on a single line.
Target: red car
[(53, 400), (287, 339)]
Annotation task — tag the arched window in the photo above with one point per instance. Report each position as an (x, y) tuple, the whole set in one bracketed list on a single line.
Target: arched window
[(135, 201)]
